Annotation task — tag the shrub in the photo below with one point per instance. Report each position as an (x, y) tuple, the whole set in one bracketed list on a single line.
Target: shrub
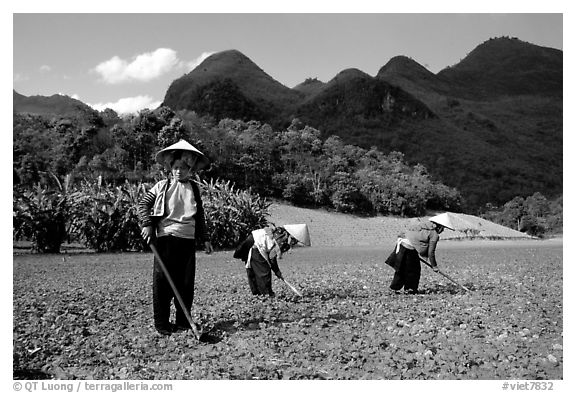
[(40, 215), (442, 197), (297, 192), (346, 199), (532, 225), (106, 217), (231, 214), (346, 196)]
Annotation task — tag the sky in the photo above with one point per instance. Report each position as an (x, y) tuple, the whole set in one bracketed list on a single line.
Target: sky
[(126, 61)]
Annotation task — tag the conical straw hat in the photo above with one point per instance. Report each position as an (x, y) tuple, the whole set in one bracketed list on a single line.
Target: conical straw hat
[(164, 156), (444, 220), (299, 232)]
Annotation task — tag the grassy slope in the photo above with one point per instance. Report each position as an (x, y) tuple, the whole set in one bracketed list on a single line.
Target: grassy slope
[(329, 229)]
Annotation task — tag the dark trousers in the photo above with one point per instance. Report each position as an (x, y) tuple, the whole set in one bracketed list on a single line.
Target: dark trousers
[(259, 275), (407, 270), (179, 257)]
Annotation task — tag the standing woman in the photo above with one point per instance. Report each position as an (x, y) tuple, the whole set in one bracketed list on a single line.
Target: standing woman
[(171, 216), (419, 241)]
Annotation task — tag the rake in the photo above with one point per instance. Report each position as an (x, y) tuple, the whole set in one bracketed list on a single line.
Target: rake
[(443, 274)]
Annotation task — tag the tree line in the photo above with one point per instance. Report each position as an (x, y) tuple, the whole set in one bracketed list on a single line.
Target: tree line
[(535, 214), (293, 164)]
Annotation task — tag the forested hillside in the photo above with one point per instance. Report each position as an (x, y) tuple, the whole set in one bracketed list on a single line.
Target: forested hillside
[(490, 126), (293, 164)]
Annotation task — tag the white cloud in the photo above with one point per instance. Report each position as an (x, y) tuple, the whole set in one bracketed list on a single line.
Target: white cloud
[(195, 63), (143, 68), (75, 96), (19, 78), (128, 105), (45, 68)]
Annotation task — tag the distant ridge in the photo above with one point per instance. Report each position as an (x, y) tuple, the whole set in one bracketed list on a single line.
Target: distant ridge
[(55, 105), (353, 98)]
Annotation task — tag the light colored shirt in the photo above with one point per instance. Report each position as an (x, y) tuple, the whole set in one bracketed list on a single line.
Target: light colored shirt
[(265, 244), (180, 208)]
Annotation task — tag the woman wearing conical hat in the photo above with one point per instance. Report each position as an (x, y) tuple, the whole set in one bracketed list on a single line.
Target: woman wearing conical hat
[(171, 215), (261, 251), (420, 240)]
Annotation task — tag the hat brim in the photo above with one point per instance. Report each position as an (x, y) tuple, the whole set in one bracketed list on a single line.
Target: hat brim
[(442, 221), (191, 155), (196, 161), (299, 232)]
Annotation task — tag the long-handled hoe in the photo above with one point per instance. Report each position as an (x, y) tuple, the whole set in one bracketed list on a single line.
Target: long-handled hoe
[(197, 333), (292, 287), (444, 274)]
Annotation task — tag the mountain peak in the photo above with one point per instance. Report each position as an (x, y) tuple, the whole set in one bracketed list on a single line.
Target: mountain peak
[(412, 76), (405, 66), (508, 66), (310, 87), (230, 56), (311, 81), (352, 73), (229, 84), (229, 61), (505, 42), (511, 51)]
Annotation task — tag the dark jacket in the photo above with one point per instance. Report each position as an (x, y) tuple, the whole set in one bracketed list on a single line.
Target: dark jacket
[(396, 259), (243, 249)]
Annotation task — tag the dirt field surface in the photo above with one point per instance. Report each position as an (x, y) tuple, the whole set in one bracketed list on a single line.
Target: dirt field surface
[(89, 316)]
